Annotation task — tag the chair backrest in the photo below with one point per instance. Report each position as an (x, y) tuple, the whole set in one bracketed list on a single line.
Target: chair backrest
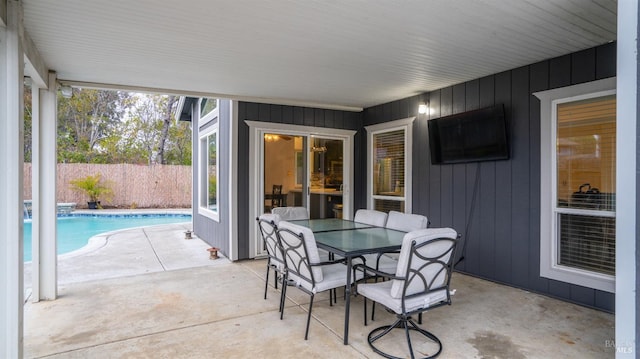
[(291, 213), (300, 250), (406, 222), (268, 225), (276, 196), (425, 262), (370, 216)]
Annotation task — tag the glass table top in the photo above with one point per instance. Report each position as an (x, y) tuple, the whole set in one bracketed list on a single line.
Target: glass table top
[(360, 241), (330, 224)]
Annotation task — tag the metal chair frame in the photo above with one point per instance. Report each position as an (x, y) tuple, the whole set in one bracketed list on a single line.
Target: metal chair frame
[(275, 261), (404, 320), (299, 265)]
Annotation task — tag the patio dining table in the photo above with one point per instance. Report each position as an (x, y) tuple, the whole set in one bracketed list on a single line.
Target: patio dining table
[(351, 239)]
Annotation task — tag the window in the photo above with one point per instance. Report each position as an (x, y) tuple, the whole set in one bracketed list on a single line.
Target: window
[(578, 215), (208, 174), (389, 166), (207, 105)]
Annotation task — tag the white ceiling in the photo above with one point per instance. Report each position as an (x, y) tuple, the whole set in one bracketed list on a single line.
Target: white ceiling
[(328, 53)]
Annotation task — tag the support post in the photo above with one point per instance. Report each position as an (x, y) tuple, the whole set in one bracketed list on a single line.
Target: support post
[(45, 201), (11, 184)]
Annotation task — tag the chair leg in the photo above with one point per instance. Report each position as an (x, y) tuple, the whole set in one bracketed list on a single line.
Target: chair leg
[(306, 333), (402, 323), (266, 282), (283, 294), (373, 311), (365, 310)]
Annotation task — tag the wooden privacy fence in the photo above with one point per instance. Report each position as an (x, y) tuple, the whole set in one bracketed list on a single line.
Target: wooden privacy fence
[(134, 186)]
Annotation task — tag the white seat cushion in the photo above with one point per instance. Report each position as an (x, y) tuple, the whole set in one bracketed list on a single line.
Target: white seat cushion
[(310, 243), (380, 292), (334, 276), (386, 264)]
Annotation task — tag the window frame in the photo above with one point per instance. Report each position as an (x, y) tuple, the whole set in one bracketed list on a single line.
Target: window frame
[(406, 125), (549, 211), (209, 124)]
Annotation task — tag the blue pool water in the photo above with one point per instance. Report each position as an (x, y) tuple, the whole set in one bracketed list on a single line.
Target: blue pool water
[(74, 231)]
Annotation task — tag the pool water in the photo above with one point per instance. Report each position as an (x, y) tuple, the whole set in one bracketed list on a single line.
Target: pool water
[(74, 231)]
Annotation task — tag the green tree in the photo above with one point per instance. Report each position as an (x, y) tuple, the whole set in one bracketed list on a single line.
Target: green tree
[(85, 119)]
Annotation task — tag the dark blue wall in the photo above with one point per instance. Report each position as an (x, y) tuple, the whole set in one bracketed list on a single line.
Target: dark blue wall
[(502, 229)]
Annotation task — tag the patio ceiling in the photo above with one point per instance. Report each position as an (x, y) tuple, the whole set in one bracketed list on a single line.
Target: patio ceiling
[(341, 54)]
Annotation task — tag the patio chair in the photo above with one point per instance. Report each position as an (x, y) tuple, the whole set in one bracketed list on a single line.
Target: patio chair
[(268, 225), (420, 283), (370, 216), (291, 213), (406, 222), (304, 267)]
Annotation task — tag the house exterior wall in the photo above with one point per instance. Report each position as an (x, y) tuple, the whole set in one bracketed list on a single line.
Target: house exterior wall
[(293, 115), (215, 233), (502, 230)]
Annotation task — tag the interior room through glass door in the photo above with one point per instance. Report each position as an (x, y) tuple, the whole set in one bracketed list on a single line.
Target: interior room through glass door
[(325, 177), (284, 171)]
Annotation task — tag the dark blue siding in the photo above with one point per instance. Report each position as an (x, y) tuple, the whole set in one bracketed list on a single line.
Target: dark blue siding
[(503, 225)]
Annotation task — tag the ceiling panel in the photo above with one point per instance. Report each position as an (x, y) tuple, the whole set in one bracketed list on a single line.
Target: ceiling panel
[(330, 53)]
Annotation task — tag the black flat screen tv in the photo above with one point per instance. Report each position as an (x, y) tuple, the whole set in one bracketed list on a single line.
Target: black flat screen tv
[(479, 135)]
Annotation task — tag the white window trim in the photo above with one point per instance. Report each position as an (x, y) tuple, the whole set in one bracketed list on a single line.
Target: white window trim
[(210, 117), (405, 124), (257, 130), (548, 218)]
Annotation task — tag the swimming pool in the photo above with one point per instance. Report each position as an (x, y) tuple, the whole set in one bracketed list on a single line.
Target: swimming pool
[(75, 230)]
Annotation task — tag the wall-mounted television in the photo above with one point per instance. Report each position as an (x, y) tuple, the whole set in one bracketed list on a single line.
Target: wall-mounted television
[(479, 135)]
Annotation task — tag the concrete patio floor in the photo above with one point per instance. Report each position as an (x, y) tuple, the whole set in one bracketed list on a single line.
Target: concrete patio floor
[(149, 293)]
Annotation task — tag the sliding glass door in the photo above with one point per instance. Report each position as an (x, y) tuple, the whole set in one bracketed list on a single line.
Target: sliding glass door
[(326, 177), (304, 171)]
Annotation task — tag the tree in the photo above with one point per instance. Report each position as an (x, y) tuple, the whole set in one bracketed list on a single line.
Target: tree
[(104, 126), (167, 119), (85, 119)]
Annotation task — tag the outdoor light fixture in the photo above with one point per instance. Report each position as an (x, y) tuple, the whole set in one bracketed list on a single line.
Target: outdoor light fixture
[(66, 91), (422, 108)]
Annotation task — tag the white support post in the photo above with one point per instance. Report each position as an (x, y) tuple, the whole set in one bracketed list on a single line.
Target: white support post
[(36, 131), (627, 180), (45, 208), (11, 185)]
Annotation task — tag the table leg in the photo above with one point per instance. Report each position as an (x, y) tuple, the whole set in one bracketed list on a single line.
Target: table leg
[(348, 302)]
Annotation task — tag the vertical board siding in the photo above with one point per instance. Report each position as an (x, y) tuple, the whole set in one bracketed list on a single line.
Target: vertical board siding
[(215, 233), (501, 227)]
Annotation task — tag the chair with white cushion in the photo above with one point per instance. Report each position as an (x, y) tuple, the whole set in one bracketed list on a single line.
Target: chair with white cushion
[(371, 217), (268, 225), (420, 283), (406, 222), (291, 213), (304, 267)]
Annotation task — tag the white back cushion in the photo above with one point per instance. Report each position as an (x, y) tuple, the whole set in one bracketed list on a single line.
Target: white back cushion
[(370, 216), (310, 242), (291, 213), (432, 250), (406, 222)]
